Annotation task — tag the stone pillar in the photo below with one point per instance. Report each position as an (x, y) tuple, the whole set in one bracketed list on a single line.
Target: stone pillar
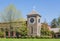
[(57, 35), (8, 33), (4, 35), (14, 34)]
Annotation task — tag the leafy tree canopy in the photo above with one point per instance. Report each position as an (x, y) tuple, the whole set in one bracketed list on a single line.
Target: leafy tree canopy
[(11, 14)]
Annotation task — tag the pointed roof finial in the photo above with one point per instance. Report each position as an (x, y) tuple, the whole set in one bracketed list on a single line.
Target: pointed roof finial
[(33, 11)]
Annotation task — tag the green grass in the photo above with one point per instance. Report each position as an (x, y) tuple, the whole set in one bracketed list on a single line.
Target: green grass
[(29, 39)]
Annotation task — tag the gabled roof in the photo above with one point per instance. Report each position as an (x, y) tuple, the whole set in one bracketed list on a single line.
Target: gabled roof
[(55, 29)]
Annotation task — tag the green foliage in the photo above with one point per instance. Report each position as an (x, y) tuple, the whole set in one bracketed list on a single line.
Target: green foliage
[(1, 34), (58, 22), (11, 14), (52, 34), (44, 29), (58, 19), (22, 29), (54, 23)]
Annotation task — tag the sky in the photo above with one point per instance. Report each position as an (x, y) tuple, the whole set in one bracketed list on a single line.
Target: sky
[(48, 9)]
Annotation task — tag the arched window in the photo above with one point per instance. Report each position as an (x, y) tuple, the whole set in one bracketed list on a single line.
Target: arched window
[(38, 20)]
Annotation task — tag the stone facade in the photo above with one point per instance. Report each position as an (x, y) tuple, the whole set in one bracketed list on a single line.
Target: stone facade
[(33, 28), (10, 29)]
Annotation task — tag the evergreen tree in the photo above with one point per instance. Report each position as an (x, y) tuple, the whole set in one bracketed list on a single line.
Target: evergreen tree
[(54, 23)]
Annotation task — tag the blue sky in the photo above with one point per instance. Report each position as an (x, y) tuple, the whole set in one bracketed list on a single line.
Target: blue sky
[(48, 9)]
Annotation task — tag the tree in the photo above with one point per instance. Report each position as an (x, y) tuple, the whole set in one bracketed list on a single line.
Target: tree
[(1, 33), (22, 30), (10, 15), (54, 23), (58, 19), (58, 22), (44, 29), (52, 34)]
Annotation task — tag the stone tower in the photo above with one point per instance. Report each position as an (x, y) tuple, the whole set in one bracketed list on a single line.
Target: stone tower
[(33, 24)]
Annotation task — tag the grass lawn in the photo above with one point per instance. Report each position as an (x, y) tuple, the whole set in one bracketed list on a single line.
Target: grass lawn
[(29, 39)]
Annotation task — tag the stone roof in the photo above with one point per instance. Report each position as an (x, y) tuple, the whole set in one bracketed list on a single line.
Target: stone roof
[(33, 12)]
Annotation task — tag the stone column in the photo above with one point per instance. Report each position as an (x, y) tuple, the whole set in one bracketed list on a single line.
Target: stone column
[(8, 33), (14, 34), (4, 33)]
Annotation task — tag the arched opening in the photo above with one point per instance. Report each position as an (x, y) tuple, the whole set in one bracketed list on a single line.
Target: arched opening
[(31, 30), (6, 33)]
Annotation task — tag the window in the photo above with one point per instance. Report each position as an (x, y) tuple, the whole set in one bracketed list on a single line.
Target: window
[(38, 20)]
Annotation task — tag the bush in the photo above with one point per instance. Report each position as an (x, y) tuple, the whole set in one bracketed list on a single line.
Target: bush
[(46, 37), (1, 34)]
